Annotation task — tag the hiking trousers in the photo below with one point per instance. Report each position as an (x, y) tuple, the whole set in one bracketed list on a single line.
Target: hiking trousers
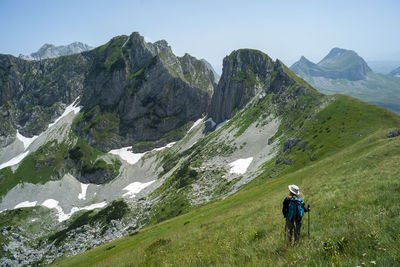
[(293, 229)]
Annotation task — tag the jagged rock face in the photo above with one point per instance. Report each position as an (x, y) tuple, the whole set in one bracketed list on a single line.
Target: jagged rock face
[(145, 92), (52, 51), (338, 64), (127, 87), (162, 110), (32, 92), (245, 72), (210, 67)]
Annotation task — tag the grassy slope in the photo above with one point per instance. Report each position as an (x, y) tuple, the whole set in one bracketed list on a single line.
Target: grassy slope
[(351, 192), (342, 123)]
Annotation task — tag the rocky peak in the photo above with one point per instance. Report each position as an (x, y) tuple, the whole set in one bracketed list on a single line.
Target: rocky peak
[(197, 73), (52, 51), (306, 67), (210, 68), (138, 85), (248, 74), (162, 44), (245, 73), (304, 60), (139, 91)]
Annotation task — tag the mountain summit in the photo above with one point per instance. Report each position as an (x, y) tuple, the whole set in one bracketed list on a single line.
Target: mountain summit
[(338, 64), (52, 51)]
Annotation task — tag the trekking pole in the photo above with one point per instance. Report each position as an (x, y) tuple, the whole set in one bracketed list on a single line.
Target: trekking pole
[(284, 232), (308, 207)]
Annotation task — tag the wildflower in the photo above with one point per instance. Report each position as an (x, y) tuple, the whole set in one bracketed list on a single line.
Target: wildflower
[(364, 254), (373, 262)]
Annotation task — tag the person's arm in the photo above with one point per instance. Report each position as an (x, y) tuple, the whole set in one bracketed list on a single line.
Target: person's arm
[(285, 207), (305, 209)]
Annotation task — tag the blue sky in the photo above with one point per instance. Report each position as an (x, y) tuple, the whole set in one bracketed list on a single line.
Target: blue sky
[(209, 29)]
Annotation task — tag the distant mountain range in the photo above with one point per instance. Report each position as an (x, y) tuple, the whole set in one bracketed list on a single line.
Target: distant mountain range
[(338, 64), (345, 72), (52, 51), (383, 66)]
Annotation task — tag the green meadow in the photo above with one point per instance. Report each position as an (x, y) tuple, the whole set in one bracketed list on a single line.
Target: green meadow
[(353, 190)]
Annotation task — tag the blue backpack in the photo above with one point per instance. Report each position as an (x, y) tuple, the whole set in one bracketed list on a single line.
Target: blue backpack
[(295, 210)]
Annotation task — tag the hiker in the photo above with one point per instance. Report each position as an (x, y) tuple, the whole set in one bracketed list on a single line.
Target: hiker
[(293, 211)]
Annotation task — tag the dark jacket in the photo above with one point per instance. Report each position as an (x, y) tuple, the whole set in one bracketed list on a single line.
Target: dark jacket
[(285, 207)]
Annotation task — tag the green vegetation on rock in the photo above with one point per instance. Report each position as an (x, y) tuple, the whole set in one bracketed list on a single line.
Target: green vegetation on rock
[(53, 160), (115, 211)]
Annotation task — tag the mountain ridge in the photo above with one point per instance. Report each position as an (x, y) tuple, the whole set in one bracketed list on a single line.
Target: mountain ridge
[(337, 64), (52, 51), (272, 126), (116, 74)]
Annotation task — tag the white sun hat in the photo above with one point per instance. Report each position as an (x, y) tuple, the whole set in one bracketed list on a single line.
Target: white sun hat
[(294, 189)]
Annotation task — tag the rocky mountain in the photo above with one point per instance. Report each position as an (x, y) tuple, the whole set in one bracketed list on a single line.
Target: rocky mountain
[(136, 136), (140, 92), (52, 51), (395, 72), (138, 89), (343, 71), (245, 74)]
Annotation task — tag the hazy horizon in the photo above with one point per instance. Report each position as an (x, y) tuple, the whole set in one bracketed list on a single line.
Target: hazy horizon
[(209, 29)]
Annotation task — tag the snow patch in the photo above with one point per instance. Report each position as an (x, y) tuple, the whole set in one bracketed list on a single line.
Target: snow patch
[(164, 147), (221, 124), (212, 122), (135, 188), (127, 155), (82, 195), (133, 158), (62, 216), (50, 203), (240, 166), (196, 123), (25, 204), (15, 160), (26, 140), (70, 108)]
